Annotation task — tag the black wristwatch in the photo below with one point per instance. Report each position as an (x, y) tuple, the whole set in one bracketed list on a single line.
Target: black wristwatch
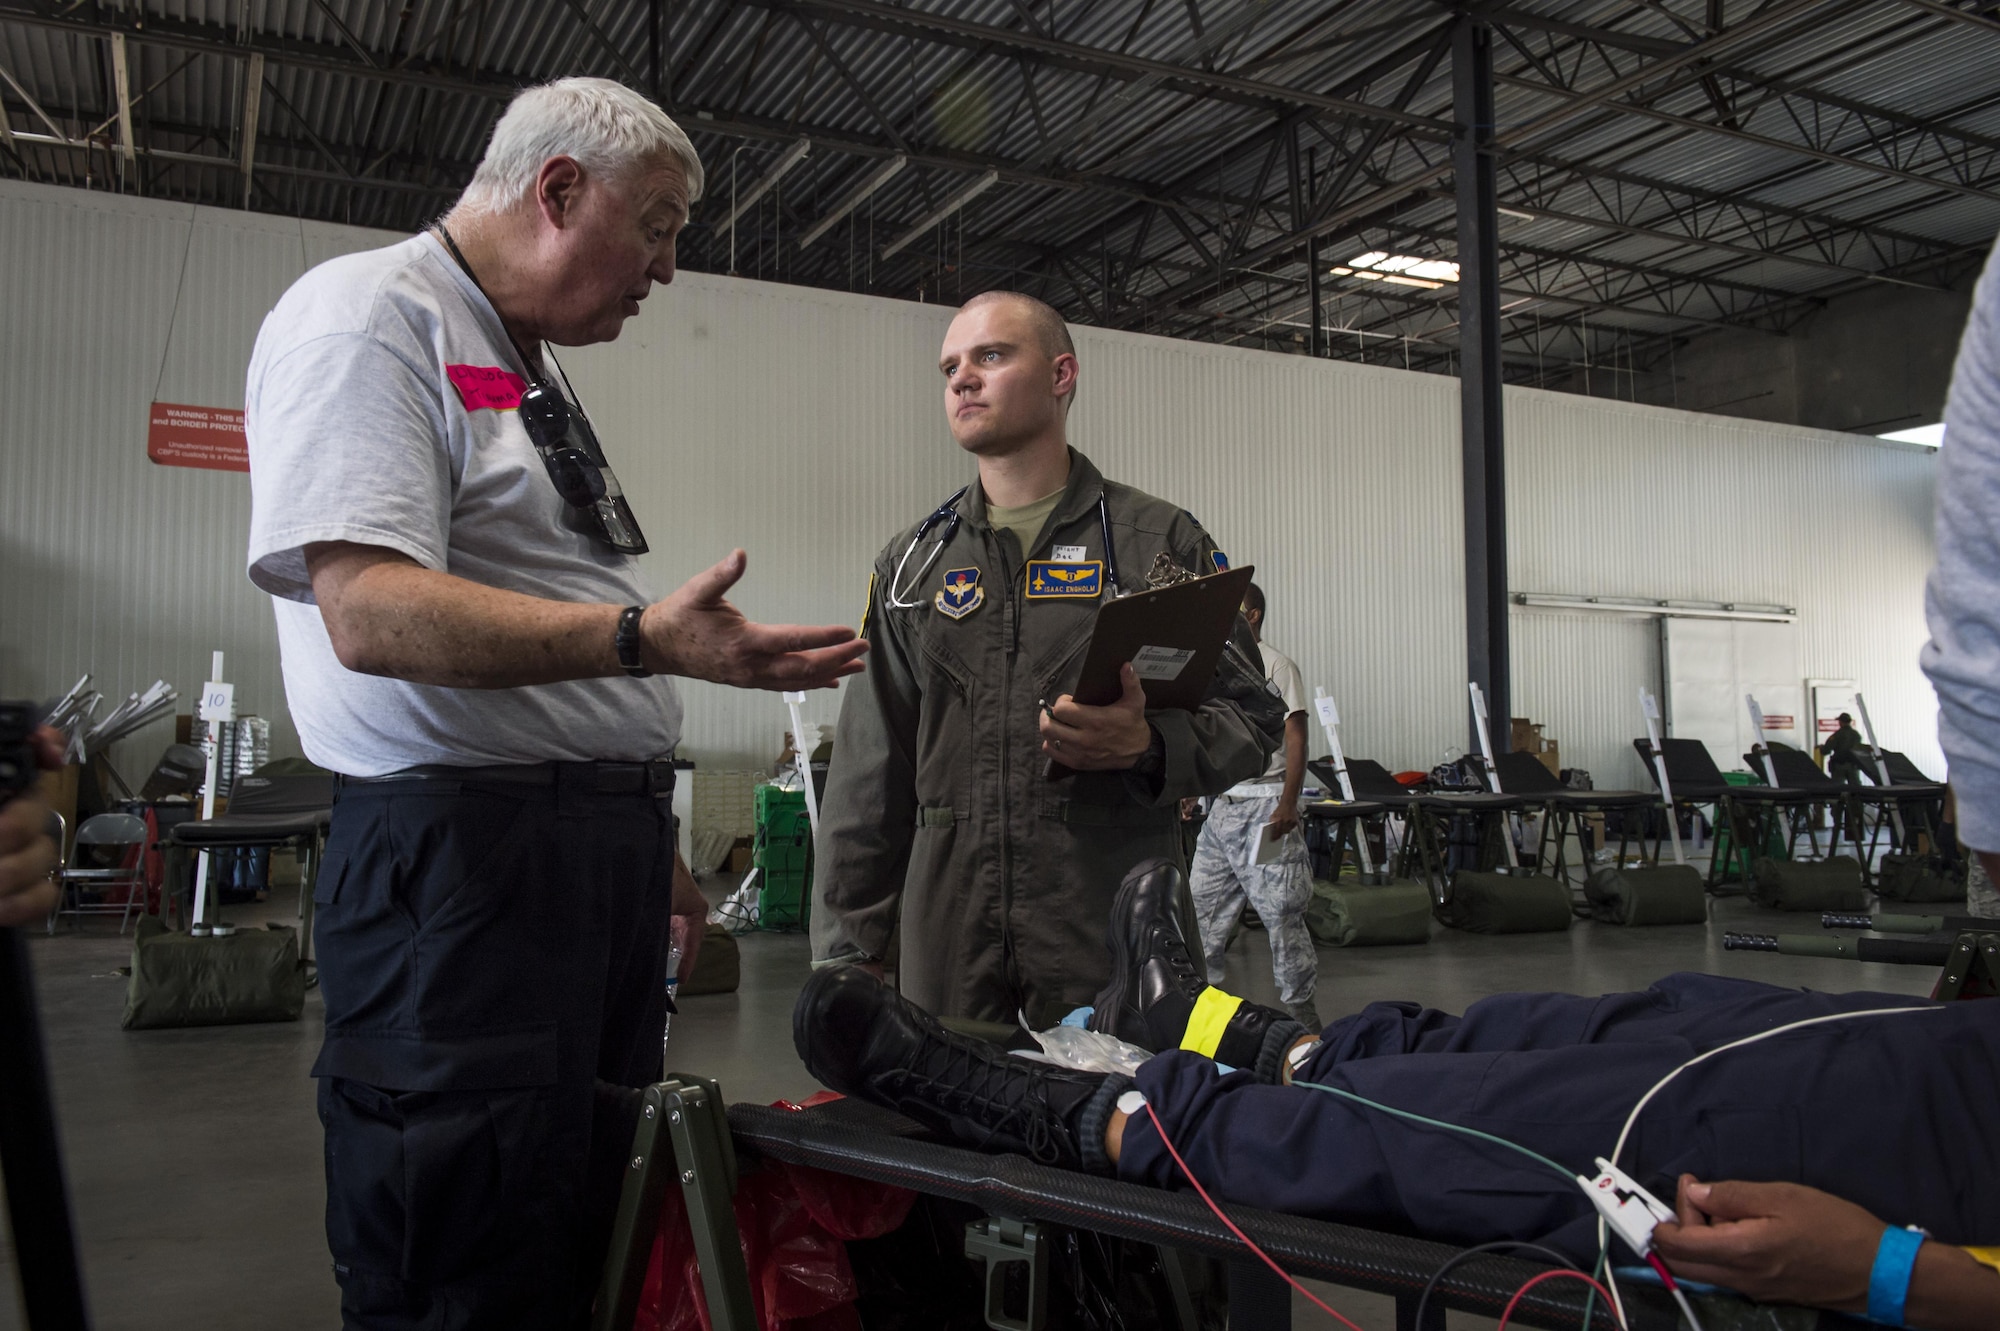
[(627, 641)]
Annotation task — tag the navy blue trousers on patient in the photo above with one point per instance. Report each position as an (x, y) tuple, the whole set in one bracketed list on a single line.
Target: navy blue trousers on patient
[(1894, 1113), (492, 958)]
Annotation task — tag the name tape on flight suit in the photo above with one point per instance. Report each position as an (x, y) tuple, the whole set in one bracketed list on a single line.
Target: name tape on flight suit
[(1049, 580)]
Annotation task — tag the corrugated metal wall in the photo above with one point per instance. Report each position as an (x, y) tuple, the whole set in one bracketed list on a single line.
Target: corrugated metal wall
[(807, 426)]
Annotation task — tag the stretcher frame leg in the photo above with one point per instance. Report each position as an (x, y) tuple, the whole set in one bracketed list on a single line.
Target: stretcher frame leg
[(1406, 1314), (998, 1243), (1173, 1266), (697, 1144)]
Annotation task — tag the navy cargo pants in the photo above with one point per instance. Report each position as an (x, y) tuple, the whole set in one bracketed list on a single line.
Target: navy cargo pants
[(492, 954), (1893, 1113)]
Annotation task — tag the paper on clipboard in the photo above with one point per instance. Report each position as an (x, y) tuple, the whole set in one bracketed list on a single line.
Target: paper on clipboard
[(1270, 848), (1173, 637)]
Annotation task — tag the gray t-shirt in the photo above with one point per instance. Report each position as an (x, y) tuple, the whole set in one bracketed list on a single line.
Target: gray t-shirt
[(380, 409), (1962, 599)]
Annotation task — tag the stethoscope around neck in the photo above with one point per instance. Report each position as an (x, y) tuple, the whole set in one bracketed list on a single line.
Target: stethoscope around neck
[(948, 515)]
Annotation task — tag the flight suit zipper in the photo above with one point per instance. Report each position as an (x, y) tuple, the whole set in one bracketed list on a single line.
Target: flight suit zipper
[(1011, 635)]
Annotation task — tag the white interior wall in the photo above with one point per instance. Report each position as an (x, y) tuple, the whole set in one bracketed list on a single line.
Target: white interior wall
[(807, 426)]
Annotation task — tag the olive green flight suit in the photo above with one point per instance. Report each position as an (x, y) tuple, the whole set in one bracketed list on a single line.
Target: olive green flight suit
[(938, 812)]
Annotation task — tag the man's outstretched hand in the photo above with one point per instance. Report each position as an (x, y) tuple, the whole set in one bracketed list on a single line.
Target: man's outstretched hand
[(697, 633)]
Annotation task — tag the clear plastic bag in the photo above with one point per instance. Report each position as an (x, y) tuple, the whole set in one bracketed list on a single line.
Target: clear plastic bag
[(739, 910), (1073, 1046)]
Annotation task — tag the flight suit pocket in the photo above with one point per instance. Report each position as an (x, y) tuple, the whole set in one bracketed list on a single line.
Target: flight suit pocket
[(1056, 670), (944, 759)]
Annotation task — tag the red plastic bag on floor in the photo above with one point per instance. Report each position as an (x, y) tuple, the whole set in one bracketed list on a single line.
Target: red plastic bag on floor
[(794, 1223)]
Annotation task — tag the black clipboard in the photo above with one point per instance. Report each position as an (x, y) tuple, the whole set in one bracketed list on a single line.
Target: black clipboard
[(1173, 636)]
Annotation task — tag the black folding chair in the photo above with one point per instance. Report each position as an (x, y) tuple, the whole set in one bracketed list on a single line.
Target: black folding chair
[(1747, 814), (1567, 810), (1872, 807)]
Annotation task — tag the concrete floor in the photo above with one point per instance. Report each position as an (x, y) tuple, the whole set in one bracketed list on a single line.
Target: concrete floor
[(194, 1156)]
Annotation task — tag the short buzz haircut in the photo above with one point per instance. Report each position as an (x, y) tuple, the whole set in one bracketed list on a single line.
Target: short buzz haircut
[(1050, 330), (607, 127), (1253, 598)]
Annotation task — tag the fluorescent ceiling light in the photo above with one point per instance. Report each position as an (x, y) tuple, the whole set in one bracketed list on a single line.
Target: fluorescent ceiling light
[(1515, 213), (1932, 436), (1402, 269)]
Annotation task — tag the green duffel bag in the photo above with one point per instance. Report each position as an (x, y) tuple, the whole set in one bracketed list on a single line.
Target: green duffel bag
[(1665, 894), (1349, 914), (1503, 903), (180, 980), (718, 967), (1920, 878), (1835, 884)]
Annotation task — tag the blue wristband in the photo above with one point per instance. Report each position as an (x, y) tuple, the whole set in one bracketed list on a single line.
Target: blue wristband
[(1889, 1281)]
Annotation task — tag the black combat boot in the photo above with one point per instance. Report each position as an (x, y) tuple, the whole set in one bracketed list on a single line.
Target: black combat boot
[(1158, 997), (861, 1038)]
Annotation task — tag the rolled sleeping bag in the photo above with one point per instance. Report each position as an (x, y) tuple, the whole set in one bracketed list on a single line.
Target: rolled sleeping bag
[(1502, 903), (1662, 894)]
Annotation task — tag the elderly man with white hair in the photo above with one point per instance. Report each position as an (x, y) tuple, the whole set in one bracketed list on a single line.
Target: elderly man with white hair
[(469, 643)]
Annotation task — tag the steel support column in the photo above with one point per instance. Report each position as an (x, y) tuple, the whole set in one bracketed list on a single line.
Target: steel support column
[(1317, 341), (1479, 372)]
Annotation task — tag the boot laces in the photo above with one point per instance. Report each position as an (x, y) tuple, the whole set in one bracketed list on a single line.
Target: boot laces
[(1005, 1096), (1168, 947)]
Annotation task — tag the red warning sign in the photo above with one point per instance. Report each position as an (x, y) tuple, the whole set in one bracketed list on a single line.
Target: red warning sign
[(1778, 722), (178, 435)]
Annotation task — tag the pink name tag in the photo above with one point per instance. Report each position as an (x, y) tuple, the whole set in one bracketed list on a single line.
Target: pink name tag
[(486, 386)]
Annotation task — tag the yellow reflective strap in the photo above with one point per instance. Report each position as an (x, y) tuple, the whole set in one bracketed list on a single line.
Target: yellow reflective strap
[(867, 608), (1986, 1256), (1211, 1015)]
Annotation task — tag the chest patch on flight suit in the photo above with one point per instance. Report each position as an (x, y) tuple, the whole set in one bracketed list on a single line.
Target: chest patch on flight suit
[(961, 593), (1220, 560), (1048, 580)]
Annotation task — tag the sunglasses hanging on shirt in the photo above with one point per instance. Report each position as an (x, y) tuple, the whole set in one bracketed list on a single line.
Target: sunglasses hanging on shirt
[(593, 503)]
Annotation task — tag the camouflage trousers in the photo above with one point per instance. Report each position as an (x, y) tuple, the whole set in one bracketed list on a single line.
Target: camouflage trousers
[(1223, 877), (1981, 900)]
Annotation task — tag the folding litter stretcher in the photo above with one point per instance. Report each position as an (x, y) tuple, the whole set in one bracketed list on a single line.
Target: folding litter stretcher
[(687, 1137)]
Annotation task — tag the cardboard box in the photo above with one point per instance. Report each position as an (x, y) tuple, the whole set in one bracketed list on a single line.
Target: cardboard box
[(740, 857), (1551, 758)]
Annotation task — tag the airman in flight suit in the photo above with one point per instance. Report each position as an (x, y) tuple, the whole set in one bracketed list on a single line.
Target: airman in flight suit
[(939, 815)]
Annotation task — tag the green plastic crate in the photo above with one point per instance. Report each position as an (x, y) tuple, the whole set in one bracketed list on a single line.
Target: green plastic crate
[(782, 856), (783, 902)]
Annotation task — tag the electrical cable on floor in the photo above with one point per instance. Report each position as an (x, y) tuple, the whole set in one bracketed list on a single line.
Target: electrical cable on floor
[(1283, 1274)]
